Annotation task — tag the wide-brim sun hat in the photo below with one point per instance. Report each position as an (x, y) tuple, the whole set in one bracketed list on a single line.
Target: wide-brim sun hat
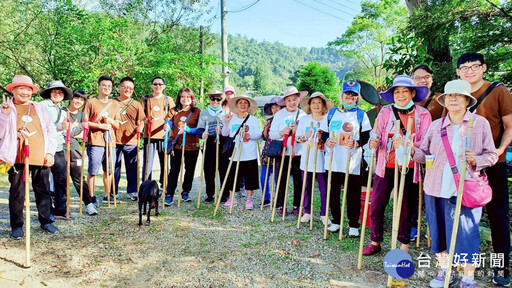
[(405, 81), (21, 80), (289, 91), (267, 108), (457, 87), (253, 106), (57, 84), (305, 103)]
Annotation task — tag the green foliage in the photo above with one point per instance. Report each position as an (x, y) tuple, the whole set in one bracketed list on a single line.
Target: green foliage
[(317, 77)]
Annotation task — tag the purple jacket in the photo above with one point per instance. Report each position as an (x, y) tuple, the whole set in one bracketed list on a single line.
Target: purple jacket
[(422, 120), (8, 133)]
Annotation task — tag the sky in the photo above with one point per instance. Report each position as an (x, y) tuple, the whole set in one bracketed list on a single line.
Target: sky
[(296, 23)]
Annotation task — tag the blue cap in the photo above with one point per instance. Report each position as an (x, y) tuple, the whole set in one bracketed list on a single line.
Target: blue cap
[(352, 86)]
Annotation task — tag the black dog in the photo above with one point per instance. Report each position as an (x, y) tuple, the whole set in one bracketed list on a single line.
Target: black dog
[(148, 196)]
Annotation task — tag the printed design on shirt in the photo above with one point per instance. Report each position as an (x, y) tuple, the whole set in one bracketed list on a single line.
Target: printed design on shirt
[(344, 136), (156, 108), (26, 119), (335, 125), (234, 128), (289, 122), (123, 122), (28, 134)]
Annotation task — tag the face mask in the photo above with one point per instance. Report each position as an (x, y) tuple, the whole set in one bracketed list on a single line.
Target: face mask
[(214, 109), (408, 106), (348, 107)]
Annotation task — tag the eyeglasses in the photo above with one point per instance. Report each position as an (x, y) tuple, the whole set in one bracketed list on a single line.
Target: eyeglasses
[(350, 93), (158, 84), (424, 78), (474, 67), (216, 99)]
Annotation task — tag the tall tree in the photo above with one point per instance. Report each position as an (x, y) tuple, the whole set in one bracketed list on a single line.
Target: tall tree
[(318, 77)]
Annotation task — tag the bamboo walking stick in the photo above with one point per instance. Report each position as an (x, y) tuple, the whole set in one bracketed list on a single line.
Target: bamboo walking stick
[(106, 135), (240, 142), (149, 118), (420, 203), (182, 176), (225, 181), (166, 161), (345, 187), (68, 167), (112, 178), (217, 143), (456, 217), (276, 194), (367, 197), (202, 170), (398, 210), (273, 185), (138, 158), (26, 176), (313, 178), (292, 154), (395, 180), (265, 184), (329, 178), (84, 140), (305, 177)]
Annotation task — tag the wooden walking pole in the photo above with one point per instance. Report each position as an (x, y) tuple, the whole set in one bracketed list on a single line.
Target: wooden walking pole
[(84, 140), (138, 158), (182, 176), (202, 170), (367, 198), (26, 176), (420, 204), (112, 178), (68, 167), (313, 178), (329, 178), (166, 163), (428, 236), (345, 187), (273, 183), (107, 165), (265, 184), (217, 143), (395, 180), (240, 142), (149, 119), (287, 184), (456, 217), (276, 194), (305, 177), (225, 181), (398, 210)]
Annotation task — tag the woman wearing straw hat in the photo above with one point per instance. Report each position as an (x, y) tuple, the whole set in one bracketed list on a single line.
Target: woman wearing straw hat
[(440, 186), (242, 107), (352, 128), (316, 106), (213, 115), (22, 119), (270, 108), (403, 94), (285, 124)]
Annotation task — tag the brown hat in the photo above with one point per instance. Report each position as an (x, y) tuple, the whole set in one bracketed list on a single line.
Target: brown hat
[(304, 104), (21, 80), (253, 106)]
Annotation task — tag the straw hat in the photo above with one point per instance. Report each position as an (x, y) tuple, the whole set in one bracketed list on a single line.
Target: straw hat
[(289, 91), (405, 81), (57, 84), (253, 106), (457, 87), (267, 109), (21, 80), (304, 104)]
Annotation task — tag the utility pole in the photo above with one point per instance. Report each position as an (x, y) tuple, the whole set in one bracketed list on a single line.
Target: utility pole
[(201, 51), (224, 42)]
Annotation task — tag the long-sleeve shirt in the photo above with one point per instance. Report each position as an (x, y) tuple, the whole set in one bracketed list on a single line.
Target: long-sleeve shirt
[(281, 119), (207, 116), (249, 148), (57, 116)]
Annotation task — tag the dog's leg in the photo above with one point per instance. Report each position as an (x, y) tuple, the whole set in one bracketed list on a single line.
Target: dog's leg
[(140, 212)]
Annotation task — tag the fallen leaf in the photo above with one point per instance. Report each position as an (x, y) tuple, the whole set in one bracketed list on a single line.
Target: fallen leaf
[(44, 284), (295, 243), (315, 255)]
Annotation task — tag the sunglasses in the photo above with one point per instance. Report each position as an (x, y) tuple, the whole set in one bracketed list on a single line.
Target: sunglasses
[(353, 94), (216, 99)]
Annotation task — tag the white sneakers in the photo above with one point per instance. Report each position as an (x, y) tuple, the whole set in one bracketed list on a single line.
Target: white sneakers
[(305, 218), (333, 228), (90, 209), (353, 232)]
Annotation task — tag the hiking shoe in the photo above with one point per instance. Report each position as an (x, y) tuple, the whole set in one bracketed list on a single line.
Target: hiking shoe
[(323, 220), (414, 233), (333, 228), (305, 218), (248, 205), (281, 211), (185, 197), (90, 209), (266, 203), (353, 232), (63, 217), (209, 199), (372, 249), (438, 282), (296, 210), (133, 196), (17, 233), (223, 200), (50, 228), (501, 278), (228, 203), (95, 202), (467, 284), (105, 200), (168, 200)]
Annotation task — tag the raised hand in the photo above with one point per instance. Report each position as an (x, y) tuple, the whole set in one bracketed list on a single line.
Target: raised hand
[(6, 109)]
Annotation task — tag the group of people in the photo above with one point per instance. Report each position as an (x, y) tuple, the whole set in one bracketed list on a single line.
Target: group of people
[(306, 139)]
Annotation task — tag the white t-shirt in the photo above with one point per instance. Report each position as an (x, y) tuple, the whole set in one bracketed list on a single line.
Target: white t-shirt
[(281, 119), (302, 129), (343, 123), (448, 188), (249, 148)]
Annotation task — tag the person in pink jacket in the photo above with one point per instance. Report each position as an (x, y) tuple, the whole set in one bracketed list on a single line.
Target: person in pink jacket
[(403, 95), (22, 119)]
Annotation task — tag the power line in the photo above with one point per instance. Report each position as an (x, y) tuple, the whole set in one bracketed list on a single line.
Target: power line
[(344, 5), (334, 8), (353, 2), (243, 8), (323, 12)]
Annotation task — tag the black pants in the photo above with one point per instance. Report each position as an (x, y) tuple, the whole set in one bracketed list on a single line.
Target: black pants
[(353, 198), (59, 174), (498, 211), (210, 164), (296, 174), (75, 171), (223, 168), (190, 165), (40, 184)]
